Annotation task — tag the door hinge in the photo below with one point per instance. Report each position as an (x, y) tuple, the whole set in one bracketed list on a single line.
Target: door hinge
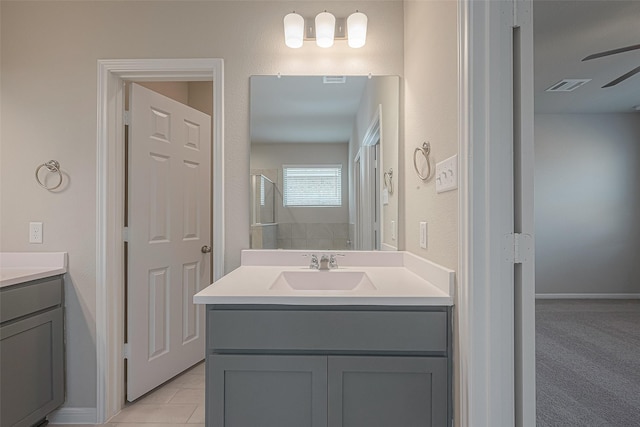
[(125, 234), (126, 351), (517, 248), (126, 117)]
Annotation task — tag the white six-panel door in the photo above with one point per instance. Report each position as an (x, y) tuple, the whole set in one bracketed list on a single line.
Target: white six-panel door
[(169, 213)]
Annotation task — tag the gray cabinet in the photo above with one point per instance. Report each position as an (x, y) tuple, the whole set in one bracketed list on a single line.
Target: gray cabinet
[(387, 391), (328, 366), (267, 391), (31, 351)]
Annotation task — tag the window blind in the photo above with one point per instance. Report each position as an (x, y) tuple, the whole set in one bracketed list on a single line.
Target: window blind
[(312, 185)]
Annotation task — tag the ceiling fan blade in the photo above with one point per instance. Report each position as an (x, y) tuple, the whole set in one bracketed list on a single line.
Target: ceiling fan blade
[(612, 52), (622, 77)]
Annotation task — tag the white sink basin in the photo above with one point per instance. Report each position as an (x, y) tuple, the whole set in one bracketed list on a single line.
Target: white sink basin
[(315, 280)]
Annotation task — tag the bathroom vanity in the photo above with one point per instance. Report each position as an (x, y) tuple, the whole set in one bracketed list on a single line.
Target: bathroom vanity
[(31, 337), (371, 348)]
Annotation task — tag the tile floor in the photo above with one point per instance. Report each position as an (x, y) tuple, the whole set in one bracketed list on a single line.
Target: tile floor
[(178, 403)]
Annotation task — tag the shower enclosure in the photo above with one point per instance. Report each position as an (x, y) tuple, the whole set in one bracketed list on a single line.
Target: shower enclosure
[(263, 215)]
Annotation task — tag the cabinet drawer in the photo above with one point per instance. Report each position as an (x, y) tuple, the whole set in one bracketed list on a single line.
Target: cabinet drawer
[(328, 331), (30, 297)]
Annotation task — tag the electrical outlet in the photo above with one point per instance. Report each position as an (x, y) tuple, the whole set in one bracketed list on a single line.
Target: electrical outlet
[(423, 235), (35, 232)]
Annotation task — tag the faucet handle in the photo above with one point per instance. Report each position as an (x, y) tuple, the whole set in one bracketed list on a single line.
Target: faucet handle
[(333, 262), (314, 261)]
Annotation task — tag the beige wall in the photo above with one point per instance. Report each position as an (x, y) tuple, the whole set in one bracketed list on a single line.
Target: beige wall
[(49, 53), (431, 114), (178, 91)]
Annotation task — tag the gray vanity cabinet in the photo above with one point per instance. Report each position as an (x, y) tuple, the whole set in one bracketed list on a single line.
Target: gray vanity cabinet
[(31, 351), (351, 366)]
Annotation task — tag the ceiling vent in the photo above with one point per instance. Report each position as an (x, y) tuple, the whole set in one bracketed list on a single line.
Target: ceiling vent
[(567, 85), (334, 79)]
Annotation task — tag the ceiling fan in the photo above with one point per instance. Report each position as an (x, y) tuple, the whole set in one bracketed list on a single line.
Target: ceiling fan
[(614, 52)]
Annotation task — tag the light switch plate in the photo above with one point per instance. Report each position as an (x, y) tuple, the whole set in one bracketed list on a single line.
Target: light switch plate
[(447, 174), (423, 235)]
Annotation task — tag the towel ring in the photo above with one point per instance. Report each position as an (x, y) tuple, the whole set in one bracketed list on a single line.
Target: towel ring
[(52, 166), (388, 181), (425, 150)]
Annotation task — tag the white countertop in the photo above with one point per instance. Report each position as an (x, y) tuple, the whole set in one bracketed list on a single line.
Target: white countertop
[(400, 278), (19, 267)]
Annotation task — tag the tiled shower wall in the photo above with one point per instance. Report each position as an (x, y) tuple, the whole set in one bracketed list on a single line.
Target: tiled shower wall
[(317, 236)]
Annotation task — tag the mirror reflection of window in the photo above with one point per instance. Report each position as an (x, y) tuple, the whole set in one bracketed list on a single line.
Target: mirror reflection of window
[(312, 186)]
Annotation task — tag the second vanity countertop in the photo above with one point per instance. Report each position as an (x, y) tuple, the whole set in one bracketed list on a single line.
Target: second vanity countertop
[(398, 278), (20, 267)]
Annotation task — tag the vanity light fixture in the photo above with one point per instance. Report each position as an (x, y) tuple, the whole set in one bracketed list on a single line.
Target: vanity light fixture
[(324, 29)]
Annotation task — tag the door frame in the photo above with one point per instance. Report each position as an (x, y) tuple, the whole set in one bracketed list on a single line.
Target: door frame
[(373, 137), (496, 350), (110, 204)]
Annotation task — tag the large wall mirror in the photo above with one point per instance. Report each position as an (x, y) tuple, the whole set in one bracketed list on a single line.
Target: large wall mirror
[(324, 162)]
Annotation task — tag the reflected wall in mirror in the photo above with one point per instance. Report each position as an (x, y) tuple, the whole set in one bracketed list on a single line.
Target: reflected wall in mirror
[(320, 148)]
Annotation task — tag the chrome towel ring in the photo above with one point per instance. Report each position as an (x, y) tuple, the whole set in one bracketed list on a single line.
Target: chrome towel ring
[(425, 150), (52, 166)]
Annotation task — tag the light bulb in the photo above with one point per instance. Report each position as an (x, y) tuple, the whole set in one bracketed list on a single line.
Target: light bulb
[(293, 30), (357, 29), (325, 28)]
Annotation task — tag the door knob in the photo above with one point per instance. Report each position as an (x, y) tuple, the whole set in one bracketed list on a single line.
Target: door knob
[(206, 249)]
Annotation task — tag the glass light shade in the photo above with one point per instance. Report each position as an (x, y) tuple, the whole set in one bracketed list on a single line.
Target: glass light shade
[(325, 29), (357, 29), (293, 30)]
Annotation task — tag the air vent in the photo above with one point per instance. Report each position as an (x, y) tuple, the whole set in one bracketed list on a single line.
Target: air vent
[(334, 79), (567, 85)]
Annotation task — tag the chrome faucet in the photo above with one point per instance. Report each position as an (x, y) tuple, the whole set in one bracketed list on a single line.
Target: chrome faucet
[(324, 263)]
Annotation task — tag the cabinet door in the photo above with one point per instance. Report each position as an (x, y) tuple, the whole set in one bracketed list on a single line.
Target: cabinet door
[(32, 368), (387, 391), (266, 391)]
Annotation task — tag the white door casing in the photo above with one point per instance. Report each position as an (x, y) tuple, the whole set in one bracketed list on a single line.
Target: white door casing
[(497, 372), (169, 223), (110, 393), (367, 186)]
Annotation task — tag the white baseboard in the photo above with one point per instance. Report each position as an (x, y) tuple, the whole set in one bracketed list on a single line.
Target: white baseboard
[(66, 415), (587, 296)]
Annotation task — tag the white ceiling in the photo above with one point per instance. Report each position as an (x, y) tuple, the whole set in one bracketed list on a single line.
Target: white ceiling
[(566, 31), (302, 109)]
